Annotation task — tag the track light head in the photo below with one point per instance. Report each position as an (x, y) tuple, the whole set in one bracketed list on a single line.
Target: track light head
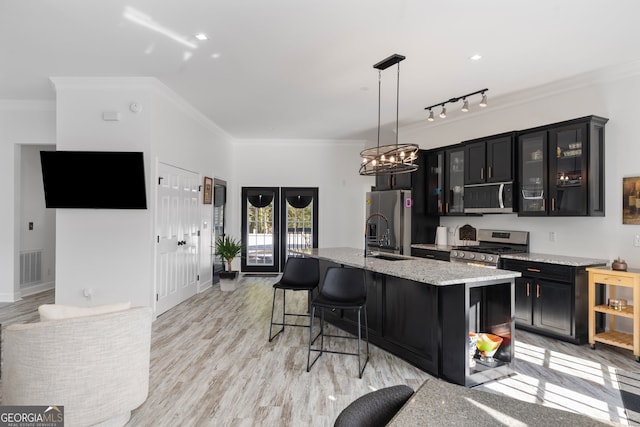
[(443, 113), (483, 102), (465, 105), (430, 118)]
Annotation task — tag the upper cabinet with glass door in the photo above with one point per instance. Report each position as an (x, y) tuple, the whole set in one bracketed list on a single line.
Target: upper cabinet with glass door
[(562, 168)]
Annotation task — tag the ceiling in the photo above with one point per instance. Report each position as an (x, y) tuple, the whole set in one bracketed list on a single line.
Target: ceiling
[(303, 68)]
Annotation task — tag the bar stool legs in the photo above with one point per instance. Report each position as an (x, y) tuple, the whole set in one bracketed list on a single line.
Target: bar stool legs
[(321, 350)]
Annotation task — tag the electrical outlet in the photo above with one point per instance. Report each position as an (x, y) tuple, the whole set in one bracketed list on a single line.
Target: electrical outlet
[(552, 236), (636, 240)]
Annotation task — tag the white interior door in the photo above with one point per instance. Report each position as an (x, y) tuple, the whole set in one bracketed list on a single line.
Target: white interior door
[(177, 229)]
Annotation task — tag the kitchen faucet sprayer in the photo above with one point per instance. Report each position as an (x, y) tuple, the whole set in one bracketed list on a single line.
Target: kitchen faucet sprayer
[(385, 236)]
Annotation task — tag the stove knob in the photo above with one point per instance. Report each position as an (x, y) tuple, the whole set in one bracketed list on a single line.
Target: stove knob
[(454, 254), (472, 256), (482, 257), (460, 254), (491, 258)]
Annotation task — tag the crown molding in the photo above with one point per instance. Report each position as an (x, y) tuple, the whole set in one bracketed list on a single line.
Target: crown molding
[(145, 83), (580, 81), (294, 141)]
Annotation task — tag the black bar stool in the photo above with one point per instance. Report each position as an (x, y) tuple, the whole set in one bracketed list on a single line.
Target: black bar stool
[(300, 274), (343, 288)]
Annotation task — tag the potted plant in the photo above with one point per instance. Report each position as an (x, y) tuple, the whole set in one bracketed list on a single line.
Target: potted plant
[(228, 248)]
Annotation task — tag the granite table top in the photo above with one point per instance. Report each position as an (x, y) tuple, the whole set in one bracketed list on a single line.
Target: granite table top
[(439, 403), (422, 270), (557, 259)]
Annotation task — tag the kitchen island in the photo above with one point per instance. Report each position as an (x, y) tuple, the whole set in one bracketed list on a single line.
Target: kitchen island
[(424, 310)]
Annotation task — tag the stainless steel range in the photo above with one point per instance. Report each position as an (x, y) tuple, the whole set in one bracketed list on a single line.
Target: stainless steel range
[(492, 244)]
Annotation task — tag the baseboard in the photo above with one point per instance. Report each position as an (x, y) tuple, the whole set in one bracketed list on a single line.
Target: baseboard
[(204, 286), (36, 289), (10, 297)]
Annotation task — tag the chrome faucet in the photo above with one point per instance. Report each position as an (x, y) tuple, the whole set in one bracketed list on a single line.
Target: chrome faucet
[(384, 238)]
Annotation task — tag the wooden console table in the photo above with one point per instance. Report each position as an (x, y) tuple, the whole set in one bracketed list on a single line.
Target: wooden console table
[(614, 279)]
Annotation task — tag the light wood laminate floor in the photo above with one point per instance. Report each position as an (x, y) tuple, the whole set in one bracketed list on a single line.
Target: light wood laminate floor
[(212, 365)]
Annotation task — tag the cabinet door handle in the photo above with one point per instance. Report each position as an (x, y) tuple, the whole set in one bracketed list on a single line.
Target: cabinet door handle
[(489, 172), (528, 289), (553, 204), (537, 290), (446, 207), (534, 270), (481, 173), (544, 204)]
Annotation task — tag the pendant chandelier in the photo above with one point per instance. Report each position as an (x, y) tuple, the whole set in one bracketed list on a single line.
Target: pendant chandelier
[(395, 158)]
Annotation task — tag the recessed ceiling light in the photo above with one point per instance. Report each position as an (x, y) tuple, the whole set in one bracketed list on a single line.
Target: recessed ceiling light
[(475, 57), (215, 55), (201, 36)]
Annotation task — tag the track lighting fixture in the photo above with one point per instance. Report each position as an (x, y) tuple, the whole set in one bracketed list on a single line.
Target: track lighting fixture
[(465, 103), (483, 102)]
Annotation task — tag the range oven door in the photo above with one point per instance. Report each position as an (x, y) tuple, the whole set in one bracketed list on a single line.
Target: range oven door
[(489, 198)]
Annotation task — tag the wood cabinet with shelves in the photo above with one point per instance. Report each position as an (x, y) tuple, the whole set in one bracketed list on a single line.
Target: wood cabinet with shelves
[(561, 168), (612, 279)]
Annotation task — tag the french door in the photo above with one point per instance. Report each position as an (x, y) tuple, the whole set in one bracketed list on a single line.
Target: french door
[(274, 222), (299, 220)]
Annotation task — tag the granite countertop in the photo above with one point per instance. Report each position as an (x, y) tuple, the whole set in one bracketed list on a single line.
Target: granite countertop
[(421, 270), (557, 259), (439, 403)]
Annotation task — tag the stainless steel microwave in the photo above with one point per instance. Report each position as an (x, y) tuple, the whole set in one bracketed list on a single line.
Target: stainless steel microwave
[(489, 198)]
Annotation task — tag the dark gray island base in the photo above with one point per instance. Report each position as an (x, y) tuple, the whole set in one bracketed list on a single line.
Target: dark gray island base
[(423, 311)]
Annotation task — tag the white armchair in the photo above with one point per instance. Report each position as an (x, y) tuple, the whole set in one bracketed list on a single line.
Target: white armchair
[(97, 366)]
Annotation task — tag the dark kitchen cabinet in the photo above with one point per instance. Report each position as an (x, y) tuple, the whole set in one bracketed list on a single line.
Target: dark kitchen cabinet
[(524, 302), (561, 168), (445, 181), (403, 181), (374, 299), (489, 159), (551, 299), (435, 191), (454, 181)]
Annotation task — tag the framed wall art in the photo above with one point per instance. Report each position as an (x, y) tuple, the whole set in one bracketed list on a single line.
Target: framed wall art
[(207, 196), (631, 200)]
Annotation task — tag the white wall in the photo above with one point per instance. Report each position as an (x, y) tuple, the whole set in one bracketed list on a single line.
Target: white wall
[(112, 251), (610, 93), (32, 209), (21, 122), (332, 166), (183, 137), (107, 252)]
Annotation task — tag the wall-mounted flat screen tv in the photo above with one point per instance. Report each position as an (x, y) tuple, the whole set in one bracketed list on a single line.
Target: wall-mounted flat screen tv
[(93, 179)]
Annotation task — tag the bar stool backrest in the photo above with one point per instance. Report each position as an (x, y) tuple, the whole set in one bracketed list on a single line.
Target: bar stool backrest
[(302, 272), (344, 285)]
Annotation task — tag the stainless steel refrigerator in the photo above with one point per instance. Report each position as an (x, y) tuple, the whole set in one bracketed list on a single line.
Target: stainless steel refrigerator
[(388, 221)]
